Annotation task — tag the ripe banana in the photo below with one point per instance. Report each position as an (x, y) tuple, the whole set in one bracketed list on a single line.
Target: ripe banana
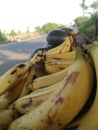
[(37, 57), (60, 56), (54, 66), (44, 68), (65, 102), (44, 81), (6, 117), (13, 76), (33, 100), (11, 95), (50, 79), (89, 121), (66, 46), (25, 90)]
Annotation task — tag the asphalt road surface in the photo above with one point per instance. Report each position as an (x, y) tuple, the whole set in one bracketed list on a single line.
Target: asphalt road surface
[(18, 52)]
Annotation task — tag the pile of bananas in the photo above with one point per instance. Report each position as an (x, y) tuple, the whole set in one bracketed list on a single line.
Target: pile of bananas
[(55, 90)]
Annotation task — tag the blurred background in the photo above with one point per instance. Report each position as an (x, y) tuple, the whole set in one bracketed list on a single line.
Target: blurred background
[(27, 19)]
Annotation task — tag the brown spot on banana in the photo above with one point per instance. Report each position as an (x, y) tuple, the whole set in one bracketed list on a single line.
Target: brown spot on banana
[(13, 72), (25, 105), (50, 122), (31, 102), (21, 65), (51, 115), (71, 78), (9, 81), (19, 75), (59, 100)]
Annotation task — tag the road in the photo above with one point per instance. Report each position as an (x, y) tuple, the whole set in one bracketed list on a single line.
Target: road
[(18, 52)]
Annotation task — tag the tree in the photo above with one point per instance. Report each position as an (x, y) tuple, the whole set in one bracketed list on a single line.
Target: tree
[(2, 37), (94, 6), (84, 7), (50, 26), (12, 33), (28, 29), (38, 29), (80, 20), (88, 27)]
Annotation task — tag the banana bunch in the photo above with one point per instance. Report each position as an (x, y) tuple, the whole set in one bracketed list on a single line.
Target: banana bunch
[(10, 93), (13, 85), (56, 104), (56, 59), (16, 85), (55, 90)]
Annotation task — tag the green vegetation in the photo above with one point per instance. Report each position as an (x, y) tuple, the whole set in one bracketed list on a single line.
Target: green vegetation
[(86, 24), (2, 37), (47, 27)]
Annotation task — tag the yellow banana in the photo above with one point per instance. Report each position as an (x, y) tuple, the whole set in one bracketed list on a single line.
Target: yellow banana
[(44, 68), (13, 76), (60, 56), (65, 102), (29, 80), (50, 79), (4, 103), (54, 66), (89, 121), (45, 89), (33, 100), (6, 117), (11, 95), (37, 57), (66, 46), (45, 81)]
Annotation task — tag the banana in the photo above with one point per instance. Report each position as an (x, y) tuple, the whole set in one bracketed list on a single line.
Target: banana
[(37, 57), (65, 102), (89, 120), (60, 56), (8, 97), (45, 89), (44, 81), (44, 68), (56, 65), (29, 80), (66, 46), (4, 103), (6, 117), (33, 100), (13, 76)]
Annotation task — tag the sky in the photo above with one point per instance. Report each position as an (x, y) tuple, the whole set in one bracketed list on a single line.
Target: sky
[(20, 14)]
